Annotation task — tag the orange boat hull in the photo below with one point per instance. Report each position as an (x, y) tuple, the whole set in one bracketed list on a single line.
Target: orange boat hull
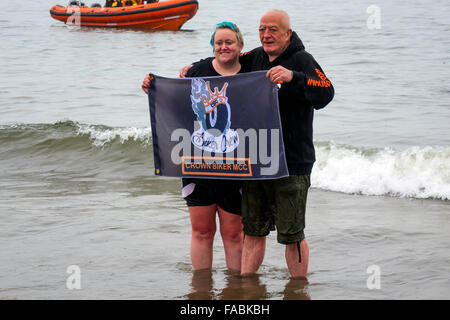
[(165, 15)]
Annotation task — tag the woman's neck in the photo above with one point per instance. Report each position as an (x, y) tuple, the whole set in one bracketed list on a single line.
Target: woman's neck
[(225, 69)]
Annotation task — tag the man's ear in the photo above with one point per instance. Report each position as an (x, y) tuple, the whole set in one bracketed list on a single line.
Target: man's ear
[(289, 32)]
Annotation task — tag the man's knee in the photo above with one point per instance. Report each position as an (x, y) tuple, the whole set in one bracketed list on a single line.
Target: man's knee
[(254, 242)]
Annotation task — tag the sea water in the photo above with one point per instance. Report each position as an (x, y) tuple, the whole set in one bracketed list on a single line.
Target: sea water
[(77, 192)]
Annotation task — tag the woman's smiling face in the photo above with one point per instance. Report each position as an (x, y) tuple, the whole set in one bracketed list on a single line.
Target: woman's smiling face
[(227, 47)]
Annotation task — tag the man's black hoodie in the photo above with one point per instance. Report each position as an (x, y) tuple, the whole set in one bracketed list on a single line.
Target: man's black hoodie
[(309, 89)]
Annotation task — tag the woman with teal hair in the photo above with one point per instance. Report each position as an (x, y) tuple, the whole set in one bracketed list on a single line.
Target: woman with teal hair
[(207, 198)]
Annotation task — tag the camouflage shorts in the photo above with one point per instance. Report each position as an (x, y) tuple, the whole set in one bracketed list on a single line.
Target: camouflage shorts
[(279, 203)]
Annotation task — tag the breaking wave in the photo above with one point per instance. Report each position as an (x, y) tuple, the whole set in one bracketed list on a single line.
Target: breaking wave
[(417, 172)]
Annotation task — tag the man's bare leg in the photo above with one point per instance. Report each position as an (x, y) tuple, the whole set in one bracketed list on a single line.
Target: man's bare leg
[(252, 254), (297, 269)]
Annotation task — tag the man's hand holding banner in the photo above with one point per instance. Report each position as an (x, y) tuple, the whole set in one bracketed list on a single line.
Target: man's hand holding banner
[(217, 127)]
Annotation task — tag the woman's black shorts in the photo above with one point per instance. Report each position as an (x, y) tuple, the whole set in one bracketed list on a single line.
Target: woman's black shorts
[(227, 194)]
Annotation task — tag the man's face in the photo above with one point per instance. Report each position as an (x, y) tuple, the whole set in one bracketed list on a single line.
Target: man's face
[(274, 36)]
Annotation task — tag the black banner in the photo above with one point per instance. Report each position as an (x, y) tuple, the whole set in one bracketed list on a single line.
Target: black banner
[(217, 127)]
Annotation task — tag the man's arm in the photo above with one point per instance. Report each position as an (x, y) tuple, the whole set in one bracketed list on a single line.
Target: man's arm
[(244, 59), (311, 82), (184, 71)]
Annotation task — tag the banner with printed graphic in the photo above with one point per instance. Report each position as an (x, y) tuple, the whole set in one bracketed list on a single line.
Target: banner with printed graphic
[(217, 127)]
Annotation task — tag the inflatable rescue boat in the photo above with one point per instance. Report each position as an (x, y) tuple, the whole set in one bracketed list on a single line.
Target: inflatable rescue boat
[(165, 15)]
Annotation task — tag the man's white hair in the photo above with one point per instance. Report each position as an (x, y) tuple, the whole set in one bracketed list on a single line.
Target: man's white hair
[(284, 17)]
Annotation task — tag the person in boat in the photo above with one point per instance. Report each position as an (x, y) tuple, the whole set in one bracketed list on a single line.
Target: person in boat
[(111, 3), (207, 198), (282, 202), (117, 3)]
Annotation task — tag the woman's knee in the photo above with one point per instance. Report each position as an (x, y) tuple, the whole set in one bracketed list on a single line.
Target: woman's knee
[(232, 232), (203, 221), (203, 231)]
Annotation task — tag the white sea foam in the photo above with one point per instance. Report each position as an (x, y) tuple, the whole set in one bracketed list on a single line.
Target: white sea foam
[(100, 136), (419, 172)]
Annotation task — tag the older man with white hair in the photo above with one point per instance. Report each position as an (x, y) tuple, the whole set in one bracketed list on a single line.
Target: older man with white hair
[(281, 203)]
